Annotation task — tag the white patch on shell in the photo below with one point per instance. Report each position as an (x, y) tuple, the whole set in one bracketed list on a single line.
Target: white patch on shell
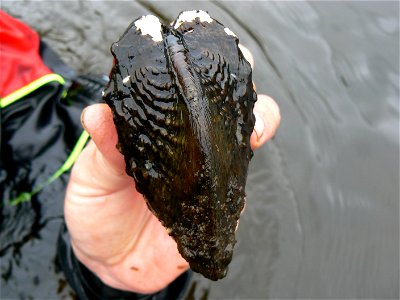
[(126, 79), (150, 25), (229, 32), (191, 15), (103, 93)]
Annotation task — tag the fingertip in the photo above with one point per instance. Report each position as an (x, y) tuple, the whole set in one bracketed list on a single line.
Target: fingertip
[(259, 126), (268, 118), (256, 139), (97, 120), (273, 107), (247, 55), (83, 118)]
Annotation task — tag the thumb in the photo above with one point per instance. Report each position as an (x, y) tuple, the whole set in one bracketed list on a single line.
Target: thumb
[(98, 121), (100, 166)]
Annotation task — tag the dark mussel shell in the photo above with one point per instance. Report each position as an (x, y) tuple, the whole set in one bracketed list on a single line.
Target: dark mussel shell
[(182, 99)]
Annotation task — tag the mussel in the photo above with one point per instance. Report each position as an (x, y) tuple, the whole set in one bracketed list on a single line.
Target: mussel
[(182, 99)]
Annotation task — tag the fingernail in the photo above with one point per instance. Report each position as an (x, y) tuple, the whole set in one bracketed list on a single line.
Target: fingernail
[(259, 126), (83, 118)]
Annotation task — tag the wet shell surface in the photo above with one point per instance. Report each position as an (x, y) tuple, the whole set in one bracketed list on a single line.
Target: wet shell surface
[(182, 99)]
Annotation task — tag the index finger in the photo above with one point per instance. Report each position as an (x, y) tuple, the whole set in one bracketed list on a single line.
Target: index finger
[(266, 111)]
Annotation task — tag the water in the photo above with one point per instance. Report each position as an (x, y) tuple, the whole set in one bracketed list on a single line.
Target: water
[(322, 216)]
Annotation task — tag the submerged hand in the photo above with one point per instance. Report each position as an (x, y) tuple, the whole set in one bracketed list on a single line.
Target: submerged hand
[(113, 233)]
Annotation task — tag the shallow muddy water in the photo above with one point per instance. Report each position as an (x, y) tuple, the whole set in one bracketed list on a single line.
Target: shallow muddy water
[(322, 214)]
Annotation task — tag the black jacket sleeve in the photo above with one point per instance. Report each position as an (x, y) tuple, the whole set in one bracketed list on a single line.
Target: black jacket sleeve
[(89, 287)]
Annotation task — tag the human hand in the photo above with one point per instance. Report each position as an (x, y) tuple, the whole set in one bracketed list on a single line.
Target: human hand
[(113, 232)]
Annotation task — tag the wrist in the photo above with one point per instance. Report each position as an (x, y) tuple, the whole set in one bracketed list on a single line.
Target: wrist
[(88, 285), (148, 266)]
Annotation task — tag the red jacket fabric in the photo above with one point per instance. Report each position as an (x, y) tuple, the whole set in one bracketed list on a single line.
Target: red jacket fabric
[(20, 61)]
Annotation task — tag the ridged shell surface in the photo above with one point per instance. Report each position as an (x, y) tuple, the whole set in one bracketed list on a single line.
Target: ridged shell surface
[(182, 99)]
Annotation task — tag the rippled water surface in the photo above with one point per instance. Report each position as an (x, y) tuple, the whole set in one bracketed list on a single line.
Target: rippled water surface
[(322, 216)]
